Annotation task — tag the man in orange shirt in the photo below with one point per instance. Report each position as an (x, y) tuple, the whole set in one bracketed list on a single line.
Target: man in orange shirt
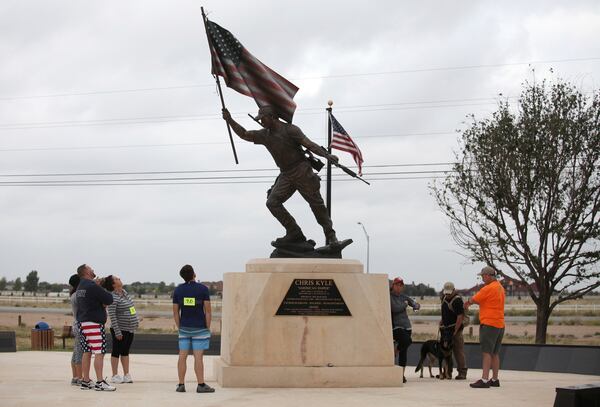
[(491, 318)]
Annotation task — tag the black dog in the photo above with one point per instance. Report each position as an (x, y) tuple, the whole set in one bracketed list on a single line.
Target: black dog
[(440, 350)]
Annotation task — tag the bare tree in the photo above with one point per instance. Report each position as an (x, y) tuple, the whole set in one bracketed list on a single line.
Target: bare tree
[(524, 196)]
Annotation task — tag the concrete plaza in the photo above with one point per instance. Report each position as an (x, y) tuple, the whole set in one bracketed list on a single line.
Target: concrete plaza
[(29, 379)]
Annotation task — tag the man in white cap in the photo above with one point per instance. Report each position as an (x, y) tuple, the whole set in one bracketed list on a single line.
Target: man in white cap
[(453, 316), (491, 317)]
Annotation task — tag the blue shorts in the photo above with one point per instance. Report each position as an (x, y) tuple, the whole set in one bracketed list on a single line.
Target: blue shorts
[(193, 338)]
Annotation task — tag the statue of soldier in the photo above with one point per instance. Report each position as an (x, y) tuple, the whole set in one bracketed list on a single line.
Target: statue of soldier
[(285, 141)]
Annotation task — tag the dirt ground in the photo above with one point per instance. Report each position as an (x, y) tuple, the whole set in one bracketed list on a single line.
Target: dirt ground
[(56, 321), (422, 330)]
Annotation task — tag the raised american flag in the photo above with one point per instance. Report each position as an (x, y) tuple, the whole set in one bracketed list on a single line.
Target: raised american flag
[(340, 140), (247, 75)]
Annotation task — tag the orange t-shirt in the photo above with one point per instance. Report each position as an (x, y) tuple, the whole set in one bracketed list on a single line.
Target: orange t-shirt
[(491, 304)]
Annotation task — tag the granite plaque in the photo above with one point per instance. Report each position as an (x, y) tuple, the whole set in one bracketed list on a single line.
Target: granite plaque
[(313, 297)]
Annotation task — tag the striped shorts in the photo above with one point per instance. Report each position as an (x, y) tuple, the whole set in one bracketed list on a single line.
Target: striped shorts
[(193, 338), (92, 337)]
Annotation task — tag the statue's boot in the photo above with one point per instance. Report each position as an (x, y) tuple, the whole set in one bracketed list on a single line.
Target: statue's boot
[(320, 212), (292, 235), (331, 238)]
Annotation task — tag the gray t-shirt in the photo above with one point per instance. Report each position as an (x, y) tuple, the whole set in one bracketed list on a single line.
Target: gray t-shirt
[(398, 304), (123, 316)]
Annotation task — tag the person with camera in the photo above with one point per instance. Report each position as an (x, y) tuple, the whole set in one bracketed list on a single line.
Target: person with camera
[(401, 327)]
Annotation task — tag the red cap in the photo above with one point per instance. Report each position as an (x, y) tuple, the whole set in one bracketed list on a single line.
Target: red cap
[(398, 280)]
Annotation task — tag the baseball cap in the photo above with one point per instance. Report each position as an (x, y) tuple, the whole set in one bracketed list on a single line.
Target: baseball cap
[(487, 270), (398, 280), (448, 288), (265, 111)]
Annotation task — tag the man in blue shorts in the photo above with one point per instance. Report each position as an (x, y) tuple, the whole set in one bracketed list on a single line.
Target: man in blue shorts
[(192, 313)]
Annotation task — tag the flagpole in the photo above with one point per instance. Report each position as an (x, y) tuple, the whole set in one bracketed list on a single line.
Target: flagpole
[(328, 203), (219, 90)]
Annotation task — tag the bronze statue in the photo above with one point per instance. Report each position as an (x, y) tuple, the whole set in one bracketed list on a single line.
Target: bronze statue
[(285, 141)]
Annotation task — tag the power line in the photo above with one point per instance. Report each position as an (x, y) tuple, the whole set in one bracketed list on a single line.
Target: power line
[(213, 116), (397, 106), (104, 92), (207, 178), (348, 75), (87, 174), (199, 183), (456, 68)]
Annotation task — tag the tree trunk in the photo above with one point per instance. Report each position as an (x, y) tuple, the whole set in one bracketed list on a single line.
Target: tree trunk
[(541, 323)]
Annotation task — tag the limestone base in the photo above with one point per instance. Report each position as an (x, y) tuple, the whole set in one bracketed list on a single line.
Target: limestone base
[(304, 376), (261, 348)]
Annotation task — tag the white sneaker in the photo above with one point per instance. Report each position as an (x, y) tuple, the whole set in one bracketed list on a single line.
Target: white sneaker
[(116, 379), (89, 385), (127, 378), (103, 386)]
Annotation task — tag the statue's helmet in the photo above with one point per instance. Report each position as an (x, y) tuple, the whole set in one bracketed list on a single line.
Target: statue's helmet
[(265, 111)]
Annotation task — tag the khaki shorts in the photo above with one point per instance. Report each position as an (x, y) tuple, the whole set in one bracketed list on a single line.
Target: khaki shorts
[(490, 339)]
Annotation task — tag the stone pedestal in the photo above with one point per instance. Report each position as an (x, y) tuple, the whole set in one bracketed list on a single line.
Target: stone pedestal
[(320, 346)]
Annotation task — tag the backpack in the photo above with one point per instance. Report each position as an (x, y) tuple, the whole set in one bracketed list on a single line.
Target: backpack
[(466, 318)]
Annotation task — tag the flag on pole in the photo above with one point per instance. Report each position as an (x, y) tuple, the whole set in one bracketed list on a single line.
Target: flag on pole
[(340, 140), (245, 74)]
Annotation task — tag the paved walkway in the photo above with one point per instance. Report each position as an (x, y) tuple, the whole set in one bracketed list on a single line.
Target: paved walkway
[(41, 378)]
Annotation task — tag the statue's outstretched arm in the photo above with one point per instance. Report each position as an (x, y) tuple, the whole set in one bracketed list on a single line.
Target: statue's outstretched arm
[(236, 127)]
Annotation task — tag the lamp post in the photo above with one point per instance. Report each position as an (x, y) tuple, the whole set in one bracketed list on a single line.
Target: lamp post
[(368, 243)]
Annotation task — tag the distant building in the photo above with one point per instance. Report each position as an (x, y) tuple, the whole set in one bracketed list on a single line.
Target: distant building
[(512, 287)]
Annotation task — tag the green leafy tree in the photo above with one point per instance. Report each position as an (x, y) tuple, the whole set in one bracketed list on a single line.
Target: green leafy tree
[(524, 196), (31, 281), (3, 283), (18, 285), (419, 290)]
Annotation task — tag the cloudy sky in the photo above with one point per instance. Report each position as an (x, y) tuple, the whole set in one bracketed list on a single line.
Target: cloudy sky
[(119, 94)]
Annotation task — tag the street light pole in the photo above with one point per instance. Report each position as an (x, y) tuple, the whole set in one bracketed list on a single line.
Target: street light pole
[(368, 244)]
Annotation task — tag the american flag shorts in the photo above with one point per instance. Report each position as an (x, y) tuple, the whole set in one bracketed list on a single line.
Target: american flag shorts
[(92, 337)]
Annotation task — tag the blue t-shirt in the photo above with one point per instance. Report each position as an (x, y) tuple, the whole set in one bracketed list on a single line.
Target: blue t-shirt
[(191, 296), (91, 299)]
